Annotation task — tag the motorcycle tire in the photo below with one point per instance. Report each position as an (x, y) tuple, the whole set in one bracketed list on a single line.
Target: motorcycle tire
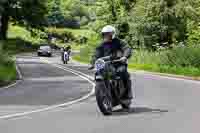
[(65, 62), (103, 100)]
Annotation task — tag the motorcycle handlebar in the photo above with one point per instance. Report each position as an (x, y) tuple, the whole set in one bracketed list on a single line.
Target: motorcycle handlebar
[(106, 58), (115, 61), (110, 59)]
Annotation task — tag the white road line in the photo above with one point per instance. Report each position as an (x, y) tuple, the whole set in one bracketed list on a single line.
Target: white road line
[(60, 105), (85, 75), (11, 85), (68, 69), (19, 72)]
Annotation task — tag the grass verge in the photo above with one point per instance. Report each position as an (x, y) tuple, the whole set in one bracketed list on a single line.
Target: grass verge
[(7, 74), (7, 68), (80, 59), (184, 71)]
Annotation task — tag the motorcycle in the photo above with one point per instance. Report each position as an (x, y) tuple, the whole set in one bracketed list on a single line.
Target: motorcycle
[(65, 57), (109, 85)]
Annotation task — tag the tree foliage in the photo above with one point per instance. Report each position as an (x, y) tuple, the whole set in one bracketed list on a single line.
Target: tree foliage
[(76, 10), (29, 13), (153, 24)]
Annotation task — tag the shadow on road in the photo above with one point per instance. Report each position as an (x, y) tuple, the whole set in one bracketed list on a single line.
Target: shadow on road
[(138, 110)]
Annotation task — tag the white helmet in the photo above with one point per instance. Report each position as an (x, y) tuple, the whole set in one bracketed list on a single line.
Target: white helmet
[(109, 29)]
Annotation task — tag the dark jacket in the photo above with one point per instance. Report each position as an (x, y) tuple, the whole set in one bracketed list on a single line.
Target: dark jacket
[(117, 48)]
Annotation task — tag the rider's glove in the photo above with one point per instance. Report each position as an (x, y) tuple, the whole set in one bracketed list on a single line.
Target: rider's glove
[(91, 67), (123, 59)]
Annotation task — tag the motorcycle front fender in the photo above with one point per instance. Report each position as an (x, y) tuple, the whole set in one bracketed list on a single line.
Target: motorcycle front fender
[(99, 77)]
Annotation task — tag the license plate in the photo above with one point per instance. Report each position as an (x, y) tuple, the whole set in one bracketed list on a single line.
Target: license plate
[(98, 77)]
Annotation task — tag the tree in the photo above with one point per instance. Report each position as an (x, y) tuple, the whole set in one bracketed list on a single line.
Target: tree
[(153, 24), (76, 8), (29, 13), (157, 23), (55, 16), (190, 11)]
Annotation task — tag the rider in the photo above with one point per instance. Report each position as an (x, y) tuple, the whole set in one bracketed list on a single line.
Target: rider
[(68, 49), (112, 46)]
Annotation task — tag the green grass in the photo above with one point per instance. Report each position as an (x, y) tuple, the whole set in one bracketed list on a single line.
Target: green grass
[(23, 34), (7, 67), (76, 47), (185, 71), (145, 57), (75, 32), (83, 60), (7, 74)]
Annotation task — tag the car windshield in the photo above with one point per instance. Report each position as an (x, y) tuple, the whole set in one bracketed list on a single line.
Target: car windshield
[(45, 48)]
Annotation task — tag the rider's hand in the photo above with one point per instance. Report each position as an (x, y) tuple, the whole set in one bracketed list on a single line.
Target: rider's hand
[(123, 59), (91, 67)]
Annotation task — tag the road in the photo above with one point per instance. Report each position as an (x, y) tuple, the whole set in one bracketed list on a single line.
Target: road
[(162, 104)]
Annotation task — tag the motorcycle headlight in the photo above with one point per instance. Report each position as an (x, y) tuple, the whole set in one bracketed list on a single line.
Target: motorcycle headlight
[(99, 64)]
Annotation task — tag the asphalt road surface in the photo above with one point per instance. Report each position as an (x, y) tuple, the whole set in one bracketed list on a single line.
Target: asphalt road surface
[(162, 105)]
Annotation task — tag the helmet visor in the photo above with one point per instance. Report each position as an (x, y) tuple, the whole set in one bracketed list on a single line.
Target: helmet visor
[(107, 36)]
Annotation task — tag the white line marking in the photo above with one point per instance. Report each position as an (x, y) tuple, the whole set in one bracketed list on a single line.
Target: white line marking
[(19, 72), (11, 85), (60, 105), (68, 69)]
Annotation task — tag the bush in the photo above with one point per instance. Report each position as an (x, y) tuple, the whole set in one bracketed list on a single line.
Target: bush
[(179, 60), (182, 56), (35, 37), (62, 36), (13, 46), (4, 58), (7, 67), (145, 57), (7, 74)]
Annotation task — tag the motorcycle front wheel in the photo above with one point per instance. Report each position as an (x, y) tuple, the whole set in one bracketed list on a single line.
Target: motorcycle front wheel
[(104, 102)]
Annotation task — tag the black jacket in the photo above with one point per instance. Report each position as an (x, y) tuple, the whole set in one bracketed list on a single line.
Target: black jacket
[(118, 48)]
